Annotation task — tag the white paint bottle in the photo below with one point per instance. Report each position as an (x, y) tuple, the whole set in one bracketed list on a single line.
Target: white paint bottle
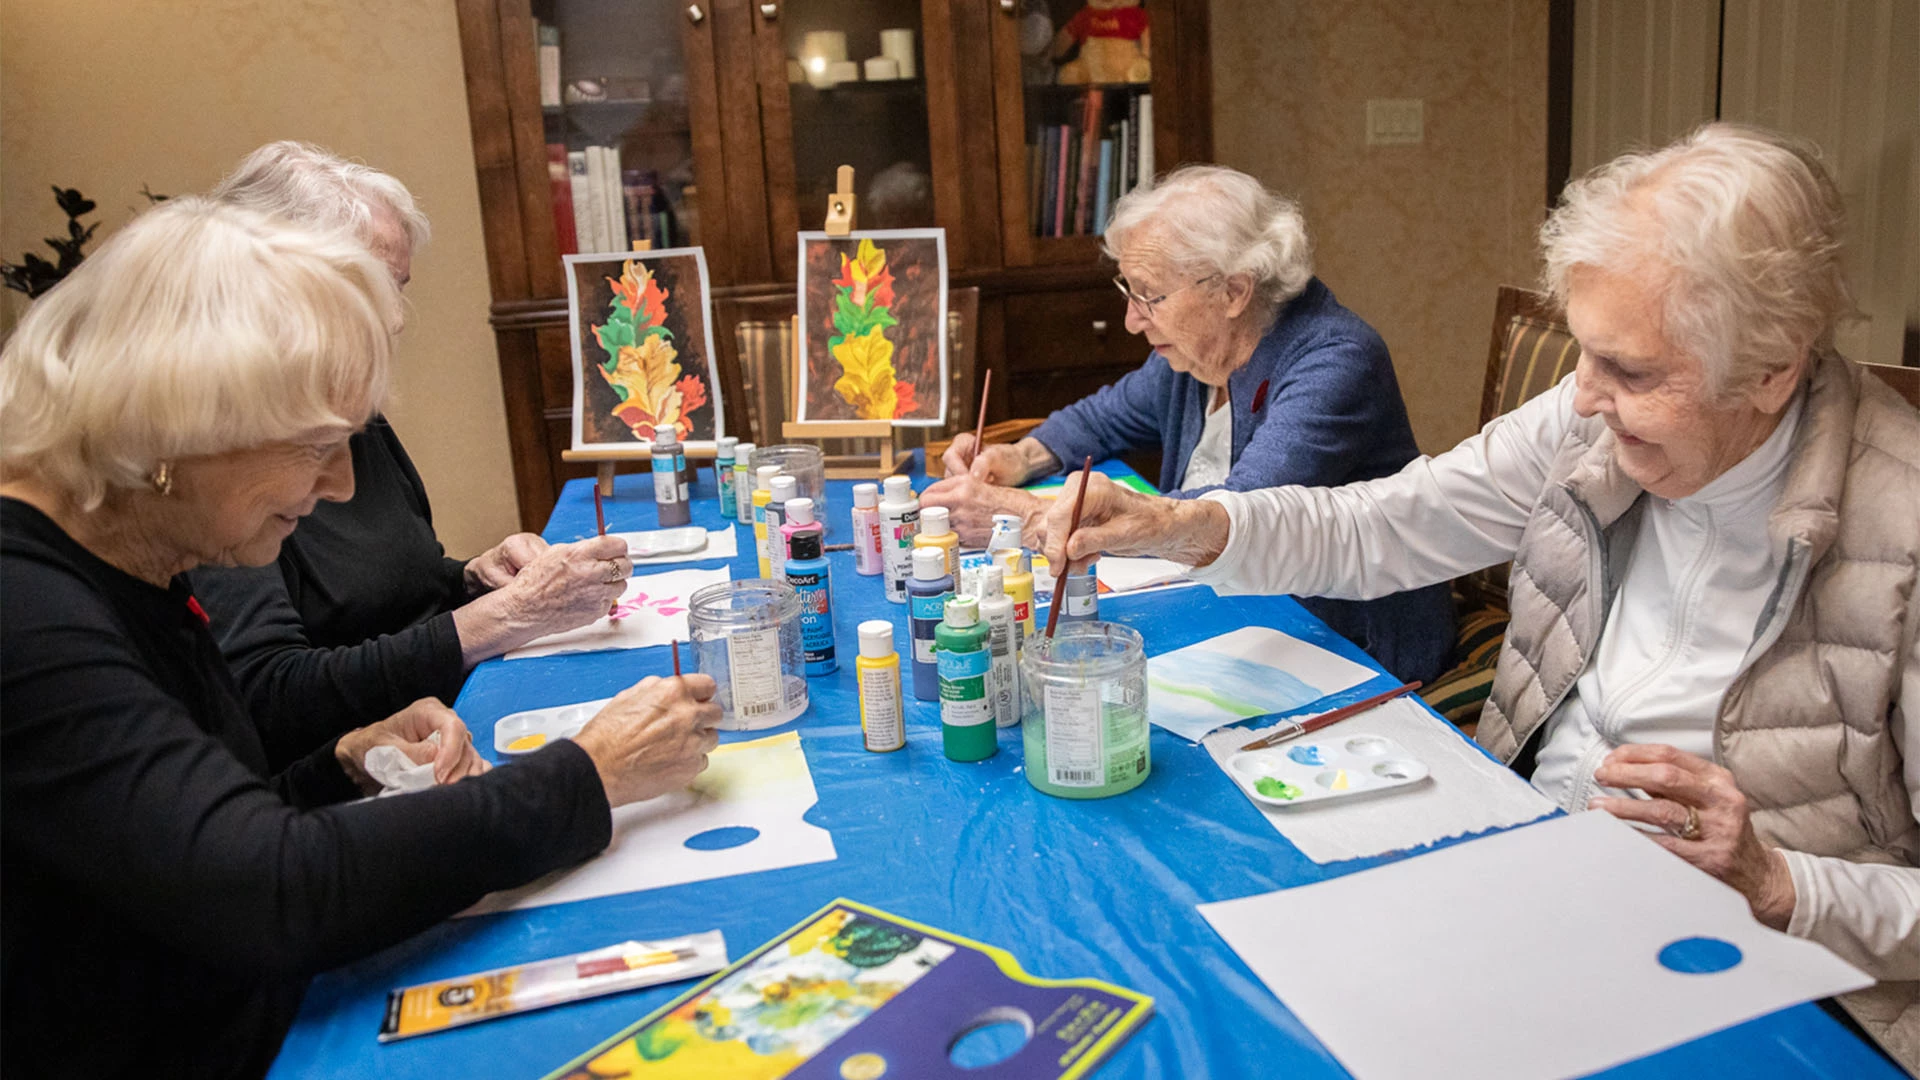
[(867, 559), (899, 522)]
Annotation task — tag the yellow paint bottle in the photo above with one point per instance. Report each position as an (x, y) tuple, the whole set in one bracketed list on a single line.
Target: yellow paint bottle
[(882, 716), (1019, 589), (935, 532), (762, 493)]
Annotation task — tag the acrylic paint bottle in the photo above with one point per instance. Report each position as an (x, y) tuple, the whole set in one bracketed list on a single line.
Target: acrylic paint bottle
[(1005, 536), (1080, 592), (669, 495), (967, 731), (883, 725), (867, 557), (806, 569), (934, 532), (723, 475), (1019, 586), (1003, 685), (742, 485), (899, 521), (762, 491), (927, 596), (780, 490)]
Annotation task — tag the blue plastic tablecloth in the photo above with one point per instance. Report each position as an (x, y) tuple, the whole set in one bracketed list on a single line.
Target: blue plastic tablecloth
[(1103, 888)]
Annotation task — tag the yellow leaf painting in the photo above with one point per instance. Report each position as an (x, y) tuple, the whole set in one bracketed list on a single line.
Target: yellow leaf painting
[(647, 372), (868, 383)]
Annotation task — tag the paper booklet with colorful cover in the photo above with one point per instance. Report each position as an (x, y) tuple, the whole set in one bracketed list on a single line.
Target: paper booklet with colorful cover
[(853, 992)]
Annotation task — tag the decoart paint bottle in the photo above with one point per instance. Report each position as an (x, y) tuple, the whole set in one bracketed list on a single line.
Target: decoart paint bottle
[(867, 557), (780, 490), (742, 484), (1005, 536), (669, 495), (934, 532), (899, 521), (882, 714), (967, 731), (723, 475), (927, 596), (1080, 592), (1003, 679), (1019, 586), (807, 572), (762, 491)]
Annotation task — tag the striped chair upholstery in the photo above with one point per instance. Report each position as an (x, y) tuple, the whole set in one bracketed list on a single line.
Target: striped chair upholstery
[(1538, 355)]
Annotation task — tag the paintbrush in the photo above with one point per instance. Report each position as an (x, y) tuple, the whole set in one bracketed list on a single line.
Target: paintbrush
[(599, 512), (1293, 729), (1060, 583), (676, 658), (980, 424)]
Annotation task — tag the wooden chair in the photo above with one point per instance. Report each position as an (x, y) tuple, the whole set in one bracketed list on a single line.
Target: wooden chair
[(1904, 380)]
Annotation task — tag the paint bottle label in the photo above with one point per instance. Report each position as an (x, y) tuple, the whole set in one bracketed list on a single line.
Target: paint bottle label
[(666, 488), (742, 494), (723, 478), (680, 475), (1076, 736), (816, 619), (880, 708), (1000, 677), (753, 673), (896, 541), (963, 687), (926, 612), (867, 557)]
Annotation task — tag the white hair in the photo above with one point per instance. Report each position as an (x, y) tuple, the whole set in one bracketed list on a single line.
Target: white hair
[(1217, 220), (309, 185), (199, 328), (1746, 225)]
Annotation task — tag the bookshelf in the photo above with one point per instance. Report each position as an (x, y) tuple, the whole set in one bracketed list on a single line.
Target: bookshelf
[(703, 130)]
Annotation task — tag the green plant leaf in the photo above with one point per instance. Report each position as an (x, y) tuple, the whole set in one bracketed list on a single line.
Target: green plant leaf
[(615, 335)]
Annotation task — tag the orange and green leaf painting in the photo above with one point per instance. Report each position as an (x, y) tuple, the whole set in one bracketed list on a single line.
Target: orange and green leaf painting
[(863, 297), (880, 316), (641, 363)]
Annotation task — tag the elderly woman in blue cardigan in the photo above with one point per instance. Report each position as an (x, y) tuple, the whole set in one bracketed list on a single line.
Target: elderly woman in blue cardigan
[(1258, 378)]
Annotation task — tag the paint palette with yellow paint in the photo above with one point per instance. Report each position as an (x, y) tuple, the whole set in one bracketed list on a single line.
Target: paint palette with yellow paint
[(525, 732), (1298, 773)]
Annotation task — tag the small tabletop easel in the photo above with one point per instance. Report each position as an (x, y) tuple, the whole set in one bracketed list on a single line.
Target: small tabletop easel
[(840, 222), (605, 461)]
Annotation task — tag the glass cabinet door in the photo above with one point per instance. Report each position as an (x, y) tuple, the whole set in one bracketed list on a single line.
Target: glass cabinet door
[(844, 82), (614, 104)]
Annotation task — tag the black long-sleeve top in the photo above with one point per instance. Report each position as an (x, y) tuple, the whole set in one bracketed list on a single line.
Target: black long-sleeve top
[(354, 621), (166, 896)]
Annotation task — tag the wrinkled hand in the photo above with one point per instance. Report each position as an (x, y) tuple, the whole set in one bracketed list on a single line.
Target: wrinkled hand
[(999, 464), (654, 737), (1724, 844), (1119, 521), (569, 585), (410, 730), (499, 564), (972, 502)]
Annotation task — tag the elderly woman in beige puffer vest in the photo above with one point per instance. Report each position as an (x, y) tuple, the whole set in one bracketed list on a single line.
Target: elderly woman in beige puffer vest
[(1715, 528)]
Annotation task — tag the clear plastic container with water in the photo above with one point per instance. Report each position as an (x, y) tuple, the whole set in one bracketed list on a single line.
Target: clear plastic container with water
[(808, 467), (1084, 710), (746, 634)]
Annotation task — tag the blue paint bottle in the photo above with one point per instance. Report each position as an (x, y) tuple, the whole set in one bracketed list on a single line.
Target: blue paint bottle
[(927, 596), (807, 573)]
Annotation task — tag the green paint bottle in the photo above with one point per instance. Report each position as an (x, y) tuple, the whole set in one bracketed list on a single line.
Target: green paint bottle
[(967, 731)]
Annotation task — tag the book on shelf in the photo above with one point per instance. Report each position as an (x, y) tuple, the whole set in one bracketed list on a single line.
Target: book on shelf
[(560, 176), (1078, 170), (1064, 192), (548, 49), (1103, 188), (1145, 175), (604, 163), (588, 220), (1092, 106)]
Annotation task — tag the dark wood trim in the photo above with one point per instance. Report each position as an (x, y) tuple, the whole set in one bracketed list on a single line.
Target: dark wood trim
[(520, 66), (943, 128), (1183, 79), (490, 121), (534, 484), (709, 154), (745, 180), (776, 141), (1559, 98)]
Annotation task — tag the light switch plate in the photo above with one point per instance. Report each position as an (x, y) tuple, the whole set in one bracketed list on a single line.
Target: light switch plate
[(1396, 121)]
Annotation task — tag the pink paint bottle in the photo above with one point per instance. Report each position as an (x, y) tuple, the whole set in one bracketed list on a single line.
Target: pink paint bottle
[(867, 559)]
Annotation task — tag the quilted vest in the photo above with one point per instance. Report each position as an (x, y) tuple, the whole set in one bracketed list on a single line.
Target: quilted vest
[(1805, 729)]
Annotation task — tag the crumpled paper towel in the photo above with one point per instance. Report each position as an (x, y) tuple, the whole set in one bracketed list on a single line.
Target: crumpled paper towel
[(396, 772)]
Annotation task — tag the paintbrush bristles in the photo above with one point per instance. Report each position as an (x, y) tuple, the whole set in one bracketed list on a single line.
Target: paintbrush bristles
[(1060, 580)]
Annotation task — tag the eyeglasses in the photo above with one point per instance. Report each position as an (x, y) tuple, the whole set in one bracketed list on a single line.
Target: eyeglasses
[(1148, 304)]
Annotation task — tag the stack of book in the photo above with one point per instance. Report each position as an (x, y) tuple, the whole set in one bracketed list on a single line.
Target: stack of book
[(598, 206), (1077, 170)]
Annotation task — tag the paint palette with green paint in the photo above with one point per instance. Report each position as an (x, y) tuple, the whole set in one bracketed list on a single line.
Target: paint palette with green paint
[(1300, 772)]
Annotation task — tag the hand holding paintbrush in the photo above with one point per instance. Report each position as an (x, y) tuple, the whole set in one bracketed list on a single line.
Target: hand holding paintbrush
[(1066, 566)]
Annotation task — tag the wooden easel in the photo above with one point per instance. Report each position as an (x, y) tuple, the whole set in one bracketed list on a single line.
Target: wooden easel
[(607, 460), (840, 221)]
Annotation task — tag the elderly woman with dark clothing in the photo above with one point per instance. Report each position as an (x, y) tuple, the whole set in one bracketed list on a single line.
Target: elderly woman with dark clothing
[(1715, 532), (185, 398), (1258, 378), (363, 611)]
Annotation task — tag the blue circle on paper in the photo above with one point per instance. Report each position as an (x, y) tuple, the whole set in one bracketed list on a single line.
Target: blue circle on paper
[(1699, 956), (727, 836)]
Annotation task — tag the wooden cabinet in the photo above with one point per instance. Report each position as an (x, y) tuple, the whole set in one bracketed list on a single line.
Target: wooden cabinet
[(724, 120)]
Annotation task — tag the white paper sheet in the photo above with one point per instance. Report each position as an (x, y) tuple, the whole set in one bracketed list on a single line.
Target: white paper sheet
[(651, 611), (1465, 791), (1250, 672), (1531, 954), (721, 544), (1124, 575), (763, 784)]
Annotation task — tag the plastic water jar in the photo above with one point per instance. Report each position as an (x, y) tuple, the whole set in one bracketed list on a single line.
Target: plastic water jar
[(808, 467), (1084, 710), (746, 634)]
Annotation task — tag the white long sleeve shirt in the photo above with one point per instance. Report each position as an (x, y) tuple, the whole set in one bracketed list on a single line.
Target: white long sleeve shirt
[(1677, 635)]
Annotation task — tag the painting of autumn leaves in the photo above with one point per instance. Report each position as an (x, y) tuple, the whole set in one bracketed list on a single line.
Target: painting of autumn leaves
[(643, 348), (871, 313)]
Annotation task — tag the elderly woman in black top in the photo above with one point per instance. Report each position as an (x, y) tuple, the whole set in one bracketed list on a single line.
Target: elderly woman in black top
[(185, 398), (363, 611)]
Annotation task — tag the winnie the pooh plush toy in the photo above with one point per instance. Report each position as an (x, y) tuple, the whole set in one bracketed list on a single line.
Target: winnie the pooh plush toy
[(1112, 35)]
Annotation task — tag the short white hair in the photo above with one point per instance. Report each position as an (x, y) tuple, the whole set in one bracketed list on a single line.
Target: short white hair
[(1217, 220), (199, 328), (1747, 223), (310, 185)]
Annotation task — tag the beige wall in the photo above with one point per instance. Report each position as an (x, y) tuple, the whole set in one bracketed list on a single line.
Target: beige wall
[(106, 96), (1413, 238)]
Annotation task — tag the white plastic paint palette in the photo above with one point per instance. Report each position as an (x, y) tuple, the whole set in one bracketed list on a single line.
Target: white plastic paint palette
[(525, 732), (1299, 772), (646, 545)]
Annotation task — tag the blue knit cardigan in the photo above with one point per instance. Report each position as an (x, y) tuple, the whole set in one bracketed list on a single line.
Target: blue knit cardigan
[(1317, 404)]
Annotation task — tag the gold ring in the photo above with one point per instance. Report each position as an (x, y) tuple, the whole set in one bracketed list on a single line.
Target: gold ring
[(1690, 830)]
